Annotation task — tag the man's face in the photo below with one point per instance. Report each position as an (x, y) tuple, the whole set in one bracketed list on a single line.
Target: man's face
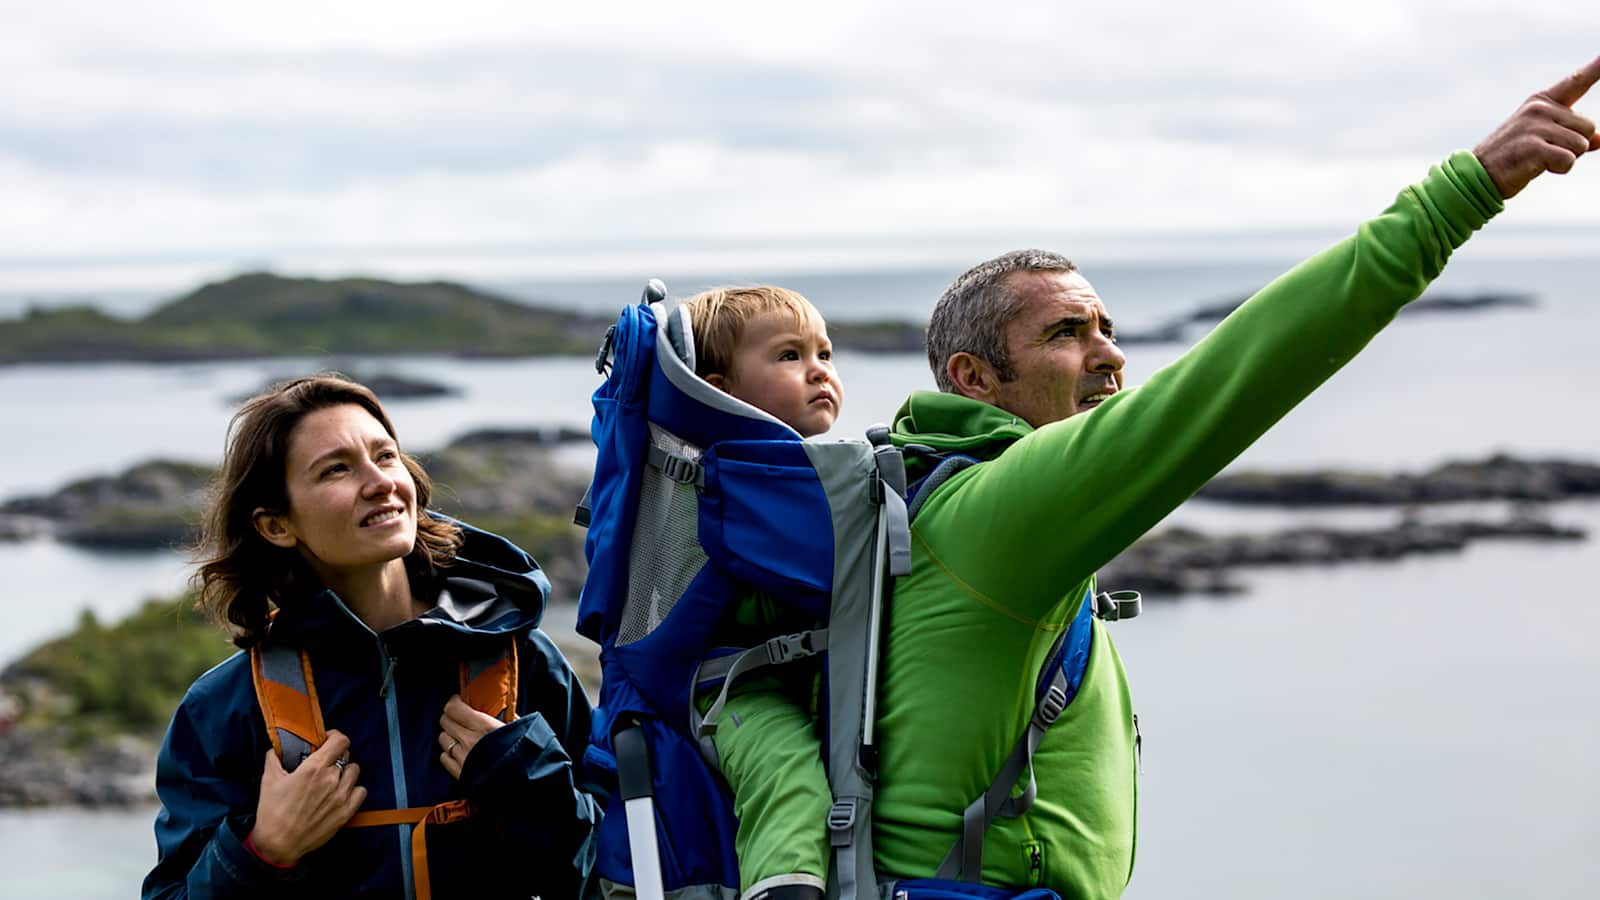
[(1062, 351)]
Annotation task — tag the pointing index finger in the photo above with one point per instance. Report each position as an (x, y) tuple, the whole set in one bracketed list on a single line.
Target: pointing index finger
[(1571, 89)]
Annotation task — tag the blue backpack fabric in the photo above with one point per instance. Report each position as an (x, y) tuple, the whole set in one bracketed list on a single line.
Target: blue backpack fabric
[(697, 501)]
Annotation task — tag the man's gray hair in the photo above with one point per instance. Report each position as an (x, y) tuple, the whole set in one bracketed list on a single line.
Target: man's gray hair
[(972, 315)]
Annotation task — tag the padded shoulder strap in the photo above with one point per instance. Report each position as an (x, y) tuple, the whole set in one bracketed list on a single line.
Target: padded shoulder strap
[(288, 698), (489, 682), (924, 487)]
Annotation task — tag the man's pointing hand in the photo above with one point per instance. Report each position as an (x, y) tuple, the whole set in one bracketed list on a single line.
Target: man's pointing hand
[(1543, 135)]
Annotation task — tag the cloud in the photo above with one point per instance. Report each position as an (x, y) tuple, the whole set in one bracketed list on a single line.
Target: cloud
[(144, 130)]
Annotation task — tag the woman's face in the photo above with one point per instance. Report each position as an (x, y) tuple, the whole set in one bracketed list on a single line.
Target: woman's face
[(352, 503)]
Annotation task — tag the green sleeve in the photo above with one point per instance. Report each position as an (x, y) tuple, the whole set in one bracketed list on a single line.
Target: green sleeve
[(1066, 499)]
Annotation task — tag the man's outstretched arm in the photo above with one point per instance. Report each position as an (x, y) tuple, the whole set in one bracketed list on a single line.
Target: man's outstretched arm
[(1067, 499)]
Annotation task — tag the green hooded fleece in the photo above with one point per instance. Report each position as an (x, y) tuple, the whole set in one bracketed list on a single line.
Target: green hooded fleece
[(1003, 552)]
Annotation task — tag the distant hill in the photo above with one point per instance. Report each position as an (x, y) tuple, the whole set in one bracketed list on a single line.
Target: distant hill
[(268, 315), (261, 314)]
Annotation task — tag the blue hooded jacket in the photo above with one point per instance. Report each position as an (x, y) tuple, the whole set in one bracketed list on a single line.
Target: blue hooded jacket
[(533, 831)]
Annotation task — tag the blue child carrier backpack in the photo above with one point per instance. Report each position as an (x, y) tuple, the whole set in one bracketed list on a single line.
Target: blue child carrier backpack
[(699, 499)]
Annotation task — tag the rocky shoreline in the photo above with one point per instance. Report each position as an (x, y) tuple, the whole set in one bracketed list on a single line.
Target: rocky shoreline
[(1205, 316), (1499, 477), (39, 768), (508, 482), (1183, 561)]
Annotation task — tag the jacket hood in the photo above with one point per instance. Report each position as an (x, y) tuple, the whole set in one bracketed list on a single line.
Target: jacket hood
[(493, 588), (951, 423)]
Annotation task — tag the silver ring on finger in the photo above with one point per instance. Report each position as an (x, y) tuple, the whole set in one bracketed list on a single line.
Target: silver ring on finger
[(452, 748), (340, 763)]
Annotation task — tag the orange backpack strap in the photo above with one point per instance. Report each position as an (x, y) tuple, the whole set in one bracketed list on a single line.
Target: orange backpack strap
[(422, 817), (489, 683), (288, 699)]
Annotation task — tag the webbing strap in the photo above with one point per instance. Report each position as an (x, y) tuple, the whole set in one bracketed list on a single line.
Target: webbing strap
[(677, 467), (443, 814), (842, 822), (965, 859), (410, 815), (897, 536), (289, 705), (773, 652), (422, 817)]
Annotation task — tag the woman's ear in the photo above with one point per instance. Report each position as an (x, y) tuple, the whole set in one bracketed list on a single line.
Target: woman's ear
[(273, 527)]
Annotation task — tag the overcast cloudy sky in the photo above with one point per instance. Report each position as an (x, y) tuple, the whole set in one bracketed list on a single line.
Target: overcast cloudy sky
[(554, 136)]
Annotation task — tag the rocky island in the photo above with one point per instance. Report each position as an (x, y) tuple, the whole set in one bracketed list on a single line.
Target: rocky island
[(266, 315)]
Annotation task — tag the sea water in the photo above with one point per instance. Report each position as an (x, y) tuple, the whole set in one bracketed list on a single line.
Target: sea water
[(1399, 729)]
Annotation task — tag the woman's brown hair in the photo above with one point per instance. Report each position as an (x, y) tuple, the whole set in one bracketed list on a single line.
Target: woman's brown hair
[(240, 575)]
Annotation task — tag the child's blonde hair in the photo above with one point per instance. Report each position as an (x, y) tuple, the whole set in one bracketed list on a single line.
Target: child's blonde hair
[(719, 317)]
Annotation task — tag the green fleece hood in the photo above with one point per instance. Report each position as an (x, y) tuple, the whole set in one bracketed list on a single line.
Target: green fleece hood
[(951, 423)]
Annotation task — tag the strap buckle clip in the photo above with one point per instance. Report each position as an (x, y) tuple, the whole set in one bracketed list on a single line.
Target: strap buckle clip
[(1051, 707), (786, 647), (681, 469), (841, 821)]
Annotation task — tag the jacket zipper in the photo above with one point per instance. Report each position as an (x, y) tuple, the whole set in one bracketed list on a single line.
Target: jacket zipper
[(389, 663), (397, 763)]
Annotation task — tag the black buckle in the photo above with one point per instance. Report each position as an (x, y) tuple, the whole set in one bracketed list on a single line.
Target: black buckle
[(601, 359), (681, 469)]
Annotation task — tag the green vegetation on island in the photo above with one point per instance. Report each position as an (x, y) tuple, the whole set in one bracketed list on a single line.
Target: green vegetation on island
[(121, 678), (264, 315)]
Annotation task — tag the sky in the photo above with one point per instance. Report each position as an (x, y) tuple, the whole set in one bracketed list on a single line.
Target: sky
[(146, 141)]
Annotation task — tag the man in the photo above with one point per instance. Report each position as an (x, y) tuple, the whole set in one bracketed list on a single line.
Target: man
[(1075, 470)]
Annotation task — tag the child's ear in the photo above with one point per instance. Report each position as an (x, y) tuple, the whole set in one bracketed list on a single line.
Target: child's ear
[(273, 527), (718, 381)]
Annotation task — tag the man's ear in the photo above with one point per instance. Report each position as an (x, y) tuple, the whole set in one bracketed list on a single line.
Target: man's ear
[(718, 381), (274, 527), (972, 377)]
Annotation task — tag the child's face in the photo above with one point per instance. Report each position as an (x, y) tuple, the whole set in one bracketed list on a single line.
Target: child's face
[(785, 369)]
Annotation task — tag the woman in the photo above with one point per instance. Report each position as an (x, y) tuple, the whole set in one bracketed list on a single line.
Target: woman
[(316, 513)]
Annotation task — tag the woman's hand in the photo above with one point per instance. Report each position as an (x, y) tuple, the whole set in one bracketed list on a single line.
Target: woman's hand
[(300, 811), (460, 728)]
